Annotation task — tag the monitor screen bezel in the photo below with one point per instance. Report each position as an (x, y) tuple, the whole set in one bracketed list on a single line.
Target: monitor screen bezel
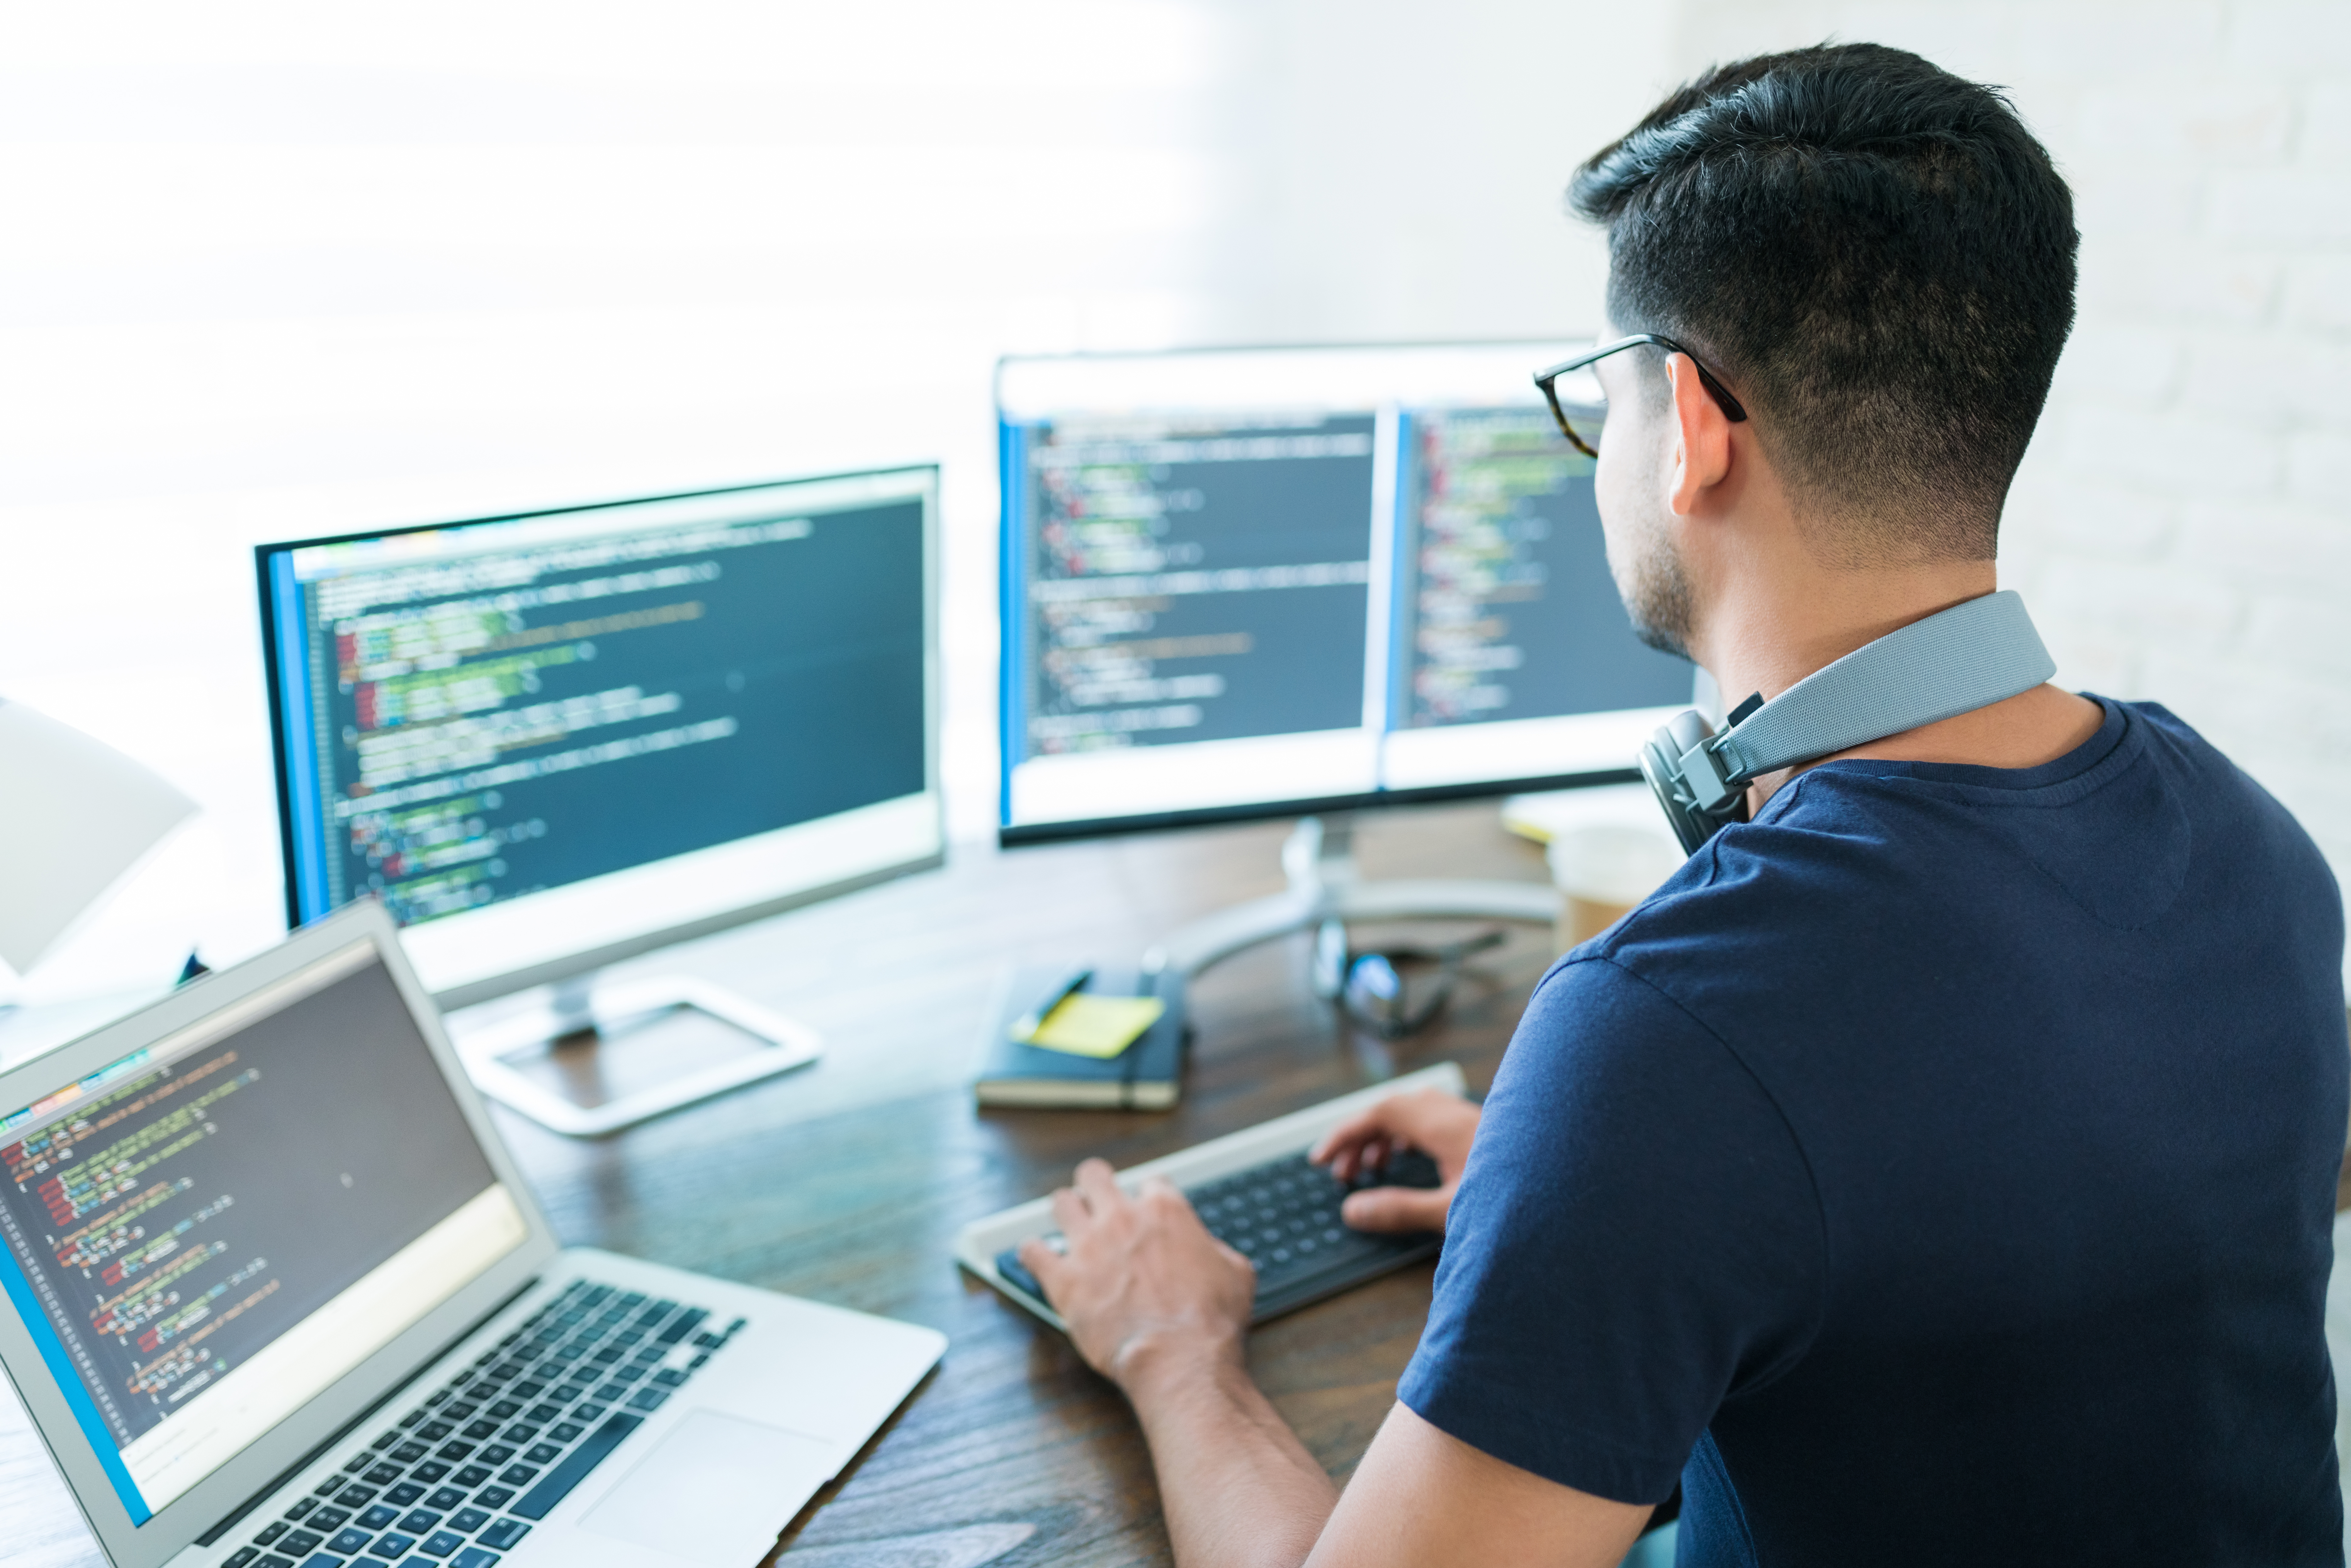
[(248, 1478), (1011, 835), (565, 964)]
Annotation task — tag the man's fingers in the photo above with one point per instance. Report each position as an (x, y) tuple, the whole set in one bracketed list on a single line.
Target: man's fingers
[(1069, 1211), (1039, 1258), (1097, 1184), (1396, 1208)]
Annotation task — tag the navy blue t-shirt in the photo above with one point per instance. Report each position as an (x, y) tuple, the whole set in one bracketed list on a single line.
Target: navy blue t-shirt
[(1940, 1169)]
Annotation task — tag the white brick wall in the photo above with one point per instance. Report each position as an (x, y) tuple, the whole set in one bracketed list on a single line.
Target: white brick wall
[(2182, 525)]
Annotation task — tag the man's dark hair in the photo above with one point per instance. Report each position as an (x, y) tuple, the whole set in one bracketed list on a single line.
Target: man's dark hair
[(1878, 258)]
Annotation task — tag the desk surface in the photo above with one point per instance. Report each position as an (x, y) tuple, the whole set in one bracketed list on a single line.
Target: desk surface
[(849, 1187)]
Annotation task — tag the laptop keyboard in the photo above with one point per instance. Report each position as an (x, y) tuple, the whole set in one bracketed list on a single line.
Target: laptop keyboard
[(1283, 1217), (459, 1480)]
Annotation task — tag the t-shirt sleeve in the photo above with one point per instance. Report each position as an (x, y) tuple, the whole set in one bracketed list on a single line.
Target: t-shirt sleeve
[(1636, 1239)]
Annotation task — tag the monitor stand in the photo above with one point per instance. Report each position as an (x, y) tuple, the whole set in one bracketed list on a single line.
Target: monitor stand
[(1326, 891), (582, 1016)]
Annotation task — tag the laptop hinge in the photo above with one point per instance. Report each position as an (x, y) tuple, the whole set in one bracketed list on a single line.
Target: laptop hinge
[(230, 1521)]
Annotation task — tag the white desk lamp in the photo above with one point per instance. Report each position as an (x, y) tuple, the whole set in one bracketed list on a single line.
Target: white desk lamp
[(74, 816)]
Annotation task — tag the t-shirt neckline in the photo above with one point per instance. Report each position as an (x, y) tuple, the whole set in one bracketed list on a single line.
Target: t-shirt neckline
[(2077, 773)]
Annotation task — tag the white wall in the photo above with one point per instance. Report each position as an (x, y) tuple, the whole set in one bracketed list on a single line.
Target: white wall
[(2182, 525), (275, 271)]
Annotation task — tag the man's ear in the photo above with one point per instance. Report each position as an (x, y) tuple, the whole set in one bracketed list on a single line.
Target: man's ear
[(1702, 442)]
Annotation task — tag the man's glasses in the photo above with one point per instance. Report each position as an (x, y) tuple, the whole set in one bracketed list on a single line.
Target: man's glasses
[(1592, 414)]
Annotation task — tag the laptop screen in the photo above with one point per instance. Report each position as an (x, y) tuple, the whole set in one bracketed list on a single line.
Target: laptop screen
[(206, 1234)]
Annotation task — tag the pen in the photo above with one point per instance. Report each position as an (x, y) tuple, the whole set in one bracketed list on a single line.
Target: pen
[(1024, 1027)]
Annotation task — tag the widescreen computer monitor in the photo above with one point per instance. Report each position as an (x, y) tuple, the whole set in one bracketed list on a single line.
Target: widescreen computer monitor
[(1258, 582), (550, 741)]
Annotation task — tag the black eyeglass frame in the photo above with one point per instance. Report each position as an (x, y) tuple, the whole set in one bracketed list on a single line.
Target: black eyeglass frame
[(1545, 380)]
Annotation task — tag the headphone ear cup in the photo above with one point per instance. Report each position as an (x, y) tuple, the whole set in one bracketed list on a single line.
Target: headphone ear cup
[(1661, 765)]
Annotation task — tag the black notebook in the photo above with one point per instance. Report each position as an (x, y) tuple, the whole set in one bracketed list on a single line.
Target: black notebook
[(1147, 1076)]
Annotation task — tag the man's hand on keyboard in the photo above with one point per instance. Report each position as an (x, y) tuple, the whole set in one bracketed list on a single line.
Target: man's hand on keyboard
[(1438, 1124), (1140, 1280)]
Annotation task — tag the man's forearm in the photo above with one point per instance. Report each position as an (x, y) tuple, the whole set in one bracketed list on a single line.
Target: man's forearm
[(1238, 1487)]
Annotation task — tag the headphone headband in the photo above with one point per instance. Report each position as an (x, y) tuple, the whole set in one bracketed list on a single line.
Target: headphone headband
[(1955, 661)]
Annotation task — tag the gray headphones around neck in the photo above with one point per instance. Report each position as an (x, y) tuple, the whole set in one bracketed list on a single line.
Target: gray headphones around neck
[(1955, 661)]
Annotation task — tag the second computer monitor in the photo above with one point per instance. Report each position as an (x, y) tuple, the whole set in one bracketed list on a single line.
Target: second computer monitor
[(1242, 583), (546, 742)]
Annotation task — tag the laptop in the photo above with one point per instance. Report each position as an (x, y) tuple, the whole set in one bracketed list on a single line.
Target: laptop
[(280, 1299)]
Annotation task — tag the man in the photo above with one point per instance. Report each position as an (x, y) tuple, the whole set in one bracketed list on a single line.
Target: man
[(1938, 1169)]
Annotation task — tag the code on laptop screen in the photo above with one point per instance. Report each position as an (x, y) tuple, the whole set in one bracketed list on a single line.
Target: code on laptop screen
[(208, 1232)]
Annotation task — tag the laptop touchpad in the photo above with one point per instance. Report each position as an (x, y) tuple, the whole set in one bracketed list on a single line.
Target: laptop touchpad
[(717, 1490)]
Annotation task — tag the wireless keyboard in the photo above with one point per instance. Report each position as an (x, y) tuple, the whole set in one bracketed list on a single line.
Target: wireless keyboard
[(1283, 1217), (1255, 1190)]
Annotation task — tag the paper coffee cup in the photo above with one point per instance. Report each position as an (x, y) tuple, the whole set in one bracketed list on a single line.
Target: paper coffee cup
[(1601, 871)]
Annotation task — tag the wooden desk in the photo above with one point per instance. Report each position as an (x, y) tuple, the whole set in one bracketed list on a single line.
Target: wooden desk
[(1012, 1452)]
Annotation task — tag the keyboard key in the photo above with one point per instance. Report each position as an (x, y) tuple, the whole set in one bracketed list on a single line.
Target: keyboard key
[(517, 1475), (409, 1453), (391, 1545), (440, 1543), (648, 1398), (447, 1498), (322, 1559), (566, 1432), (382, 1475), (612, 1392), (471, 1476), (403, 1494), (542, 1413), (542, 1498), (274, 1561), (240, 1557), (503, 1535), (357, 1497), (350, 1542), (543, 1453), (480, 1430), (433, 1431), (494, 1496), (496, 1454), (506, 1409), (669, 1377), (420, 1521), (521, 1432), (269, 1535), (327, 1520), (589, 1415), (301, 1542), (474, 1557), (529, 1388), (460, 1410), (681, 1325), (380, 1517), (428, 1472), (388, 1439), (453, 1451), (472, 1519)]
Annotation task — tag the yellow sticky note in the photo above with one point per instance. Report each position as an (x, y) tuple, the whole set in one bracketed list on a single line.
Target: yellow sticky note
[(1098, 1027)]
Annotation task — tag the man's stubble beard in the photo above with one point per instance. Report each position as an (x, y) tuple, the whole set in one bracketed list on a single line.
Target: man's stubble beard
[(1655, 590)]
